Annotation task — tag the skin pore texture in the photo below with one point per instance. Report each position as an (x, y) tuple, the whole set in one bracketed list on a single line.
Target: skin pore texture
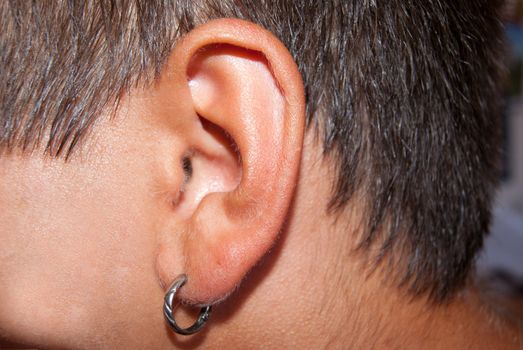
[(87, 246)]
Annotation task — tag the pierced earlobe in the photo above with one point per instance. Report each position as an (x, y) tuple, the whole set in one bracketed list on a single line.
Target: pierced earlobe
[(203, 317)]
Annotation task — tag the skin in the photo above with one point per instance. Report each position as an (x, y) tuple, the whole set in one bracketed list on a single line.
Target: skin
[(87, 246)]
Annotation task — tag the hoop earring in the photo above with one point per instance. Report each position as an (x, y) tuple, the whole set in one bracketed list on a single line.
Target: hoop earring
[(203, 317)]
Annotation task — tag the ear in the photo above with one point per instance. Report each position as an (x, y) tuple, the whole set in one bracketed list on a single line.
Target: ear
[(248, 94)]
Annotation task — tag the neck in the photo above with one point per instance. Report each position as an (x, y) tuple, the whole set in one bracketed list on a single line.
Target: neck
[(353, 309), (385, 317), (359, 310)]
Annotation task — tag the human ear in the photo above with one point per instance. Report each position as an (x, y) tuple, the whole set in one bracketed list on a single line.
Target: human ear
[(244, 85)]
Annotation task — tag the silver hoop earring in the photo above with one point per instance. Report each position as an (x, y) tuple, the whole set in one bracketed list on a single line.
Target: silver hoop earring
[(203, 317)]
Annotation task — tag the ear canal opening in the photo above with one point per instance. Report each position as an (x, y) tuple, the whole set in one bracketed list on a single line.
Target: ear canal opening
[(214, 167)]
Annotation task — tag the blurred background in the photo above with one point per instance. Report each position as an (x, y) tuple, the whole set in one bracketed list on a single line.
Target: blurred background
[(500, 265)]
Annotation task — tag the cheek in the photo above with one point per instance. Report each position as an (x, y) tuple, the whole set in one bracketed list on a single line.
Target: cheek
[(74, 248)]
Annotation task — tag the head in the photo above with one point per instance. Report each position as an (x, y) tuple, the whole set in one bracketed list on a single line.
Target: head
[(142, 140)]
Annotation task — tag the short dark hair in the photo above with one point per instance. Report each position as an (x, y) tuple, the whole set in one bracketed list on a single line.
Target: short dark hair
[(403, 92)]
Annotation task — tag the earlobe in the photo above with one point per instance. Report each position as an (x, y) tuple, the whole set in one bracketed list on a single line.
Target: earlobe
[(244, 82)]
